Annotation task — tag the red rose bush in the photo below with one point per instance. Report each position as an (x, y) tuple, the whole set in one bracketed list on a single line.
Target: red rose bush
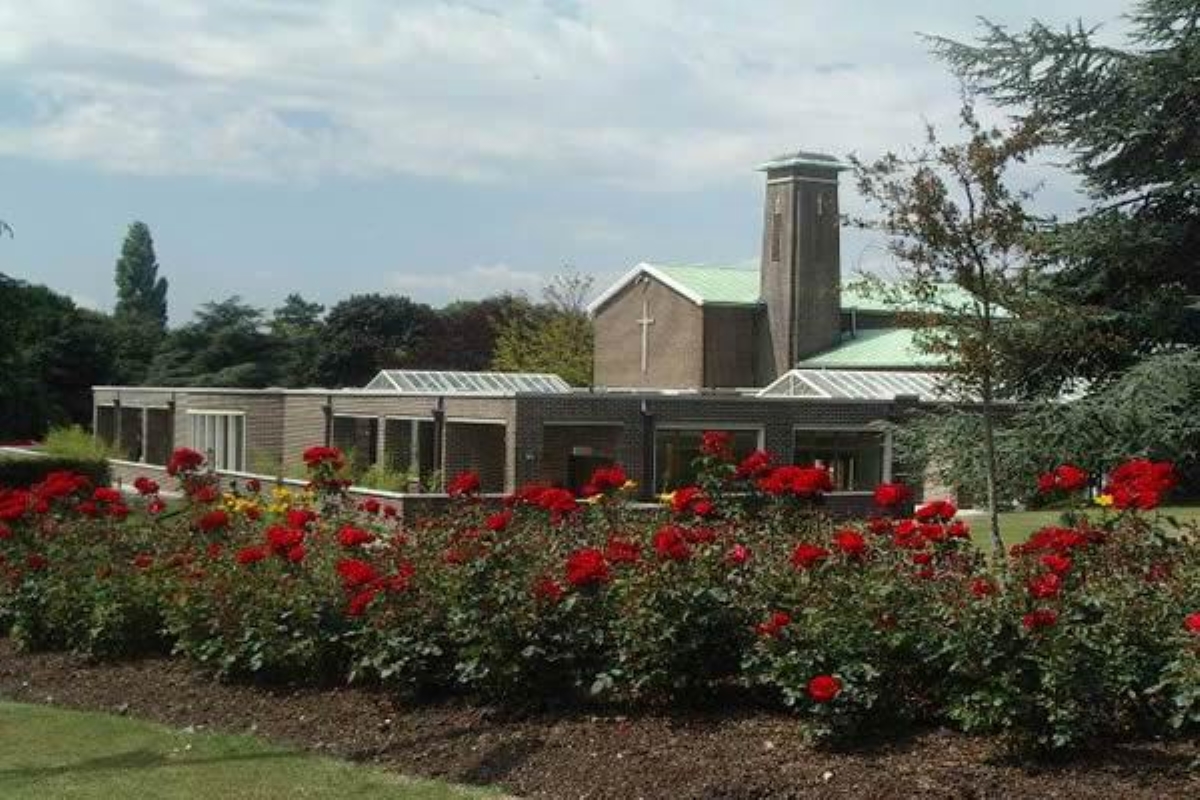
[(737, 583)]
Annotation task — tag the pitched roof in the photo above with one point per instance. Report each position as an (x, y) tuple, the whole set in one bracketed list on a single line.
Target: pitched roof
[(885, 348), (702, 284)]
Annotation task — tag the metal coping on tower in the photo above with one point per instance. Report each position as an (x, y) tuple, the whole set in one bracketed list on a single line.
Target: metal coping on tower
[(802, 158)]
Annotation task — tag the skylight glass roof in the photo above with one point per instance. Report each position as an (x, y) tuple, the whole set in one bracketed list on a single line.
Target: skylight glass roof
[(856, 385), (408, 381)]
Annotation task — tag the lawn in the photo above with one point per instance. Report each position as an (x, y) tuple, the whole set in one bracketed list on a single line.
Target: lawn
[(1015, 526), (55, 753)]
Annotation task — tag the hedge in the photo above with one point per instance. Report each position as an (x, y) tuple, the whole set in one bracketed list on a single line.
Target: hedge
[(28, 470)]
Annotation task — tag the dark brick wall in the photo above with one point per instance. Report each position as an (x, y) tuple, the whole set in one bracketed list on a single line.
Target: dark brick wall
[(729, 342)]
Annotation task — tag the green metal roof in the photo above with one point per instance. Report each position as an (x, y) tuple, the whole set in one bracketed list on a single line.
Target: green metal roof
[(726, 285), (893, 348)]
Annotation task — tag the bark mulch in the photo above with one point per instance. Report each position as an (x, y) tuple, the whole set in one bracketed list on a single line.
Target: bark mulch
[(732, 755)]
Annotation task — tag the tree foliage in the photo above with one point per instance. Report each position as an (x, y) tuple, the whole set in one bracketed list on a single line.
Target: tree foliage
[(228, 344), (298, 326), (369, 332), (51, 354), (952, 220), (140, 314), (1129, 118), (556, 338)]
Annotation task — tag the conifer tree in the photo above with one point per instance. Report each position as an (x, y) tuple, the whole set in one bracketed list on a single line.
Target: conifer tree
[(141, 293)]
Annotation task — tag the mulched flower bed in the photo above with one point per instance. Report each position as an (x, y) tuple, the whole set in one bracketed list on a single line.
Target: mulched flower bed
[(726, 755)]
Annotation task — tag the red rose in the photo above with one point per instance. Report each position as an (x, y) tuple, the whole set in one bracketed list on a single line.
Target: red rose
[(891, 495), (851, 543), (143, 561), (1045, 586), (559, 502), (549, 590), (499, 521), (936, 511), (320, 456), (587, 567), (737, 555), (359, 602), (1141, 483), (37, 562), (145, 486), (622, 551), (371, 505), (1192, 622), (1041, 618), (922, 559), (251, 555), (717, 444), (802, 482), (281, 539), (389, 512), (253, 485), (464, 484), (754, 466), (213, 520), (300, 517), (671, 544), (1058, 564), (1065, 478), (205, 494), (354, 537), (806, 556), (184, 460), (982, 587), (606, 480), (824, 688), (774, 624), (691, 500), (356, 573), (296, 554), (156, 506)]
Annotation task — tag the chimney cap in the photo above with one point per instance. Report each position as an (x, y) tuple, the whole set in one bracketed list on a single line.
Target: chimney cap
[(804, 158)]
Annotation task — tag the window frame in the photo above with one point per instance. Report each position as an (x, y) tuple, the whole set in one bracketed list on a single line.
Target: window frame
[(218, 460)]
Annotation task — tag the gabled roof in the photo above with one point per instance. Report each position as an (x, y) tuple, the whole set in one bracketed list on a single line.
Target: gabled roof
[(729, 285), (701, 284), (885, 348), (856, 385), (440, 382)]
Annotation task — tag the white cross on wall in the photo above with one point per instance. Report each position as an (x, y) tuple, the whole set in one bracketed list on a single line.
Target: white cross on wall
[(646, 321)]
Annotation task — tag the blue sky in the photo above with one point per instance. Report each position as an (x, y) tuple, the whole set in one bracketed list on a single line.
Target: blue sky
[(443, 149)]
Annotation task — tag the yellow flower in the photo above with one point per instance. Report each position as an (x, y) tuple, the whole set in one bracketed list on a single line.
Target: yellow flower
[(667, 499), (592, 499), (629, 486), (1104, 500)]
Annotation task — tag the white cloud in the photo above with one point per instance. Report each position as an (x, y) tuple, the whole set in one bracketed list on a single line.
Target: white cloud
[(650, 94), (481, 280)]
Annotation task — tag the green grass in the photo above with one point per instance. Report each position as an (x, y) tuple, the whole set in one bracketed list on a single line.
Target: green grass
[(1016, 526), (50, 753)]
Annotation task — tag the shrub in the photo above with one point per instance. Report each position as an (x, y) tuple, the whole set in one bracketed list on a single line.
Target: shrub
[(73, 442), (18, 471), (737, 585)]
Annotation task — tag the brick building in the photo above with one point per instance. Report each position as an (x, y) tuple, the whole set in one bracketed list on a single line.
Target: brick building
[(783, 357)]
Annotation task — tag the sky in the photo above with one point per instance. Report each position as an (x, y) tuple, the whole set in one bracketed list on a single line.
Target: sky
[(446, 149)]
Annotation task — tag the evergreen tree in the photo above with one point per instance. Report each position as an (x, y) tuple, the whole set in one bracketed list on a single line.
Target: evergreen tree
[(141, 294), (1129, 117), (298, 327), (226, 345)]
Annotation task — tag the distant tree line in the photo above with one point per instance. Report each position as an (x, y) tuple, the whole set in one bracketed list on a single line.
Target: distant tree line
[(52, 352)]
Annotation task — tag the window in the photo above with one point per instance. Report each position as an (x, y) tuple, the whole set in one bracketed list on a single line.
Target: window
[(221, 437), (776, 236), (855, 458), (675, 448)]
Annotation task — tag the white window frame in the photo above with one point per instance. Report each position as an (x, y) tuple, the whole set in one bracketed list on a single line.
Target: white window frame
[(216, 447)]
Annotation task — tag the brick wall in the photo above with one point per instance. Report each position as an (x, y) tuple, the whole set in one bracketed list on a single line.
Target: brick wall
[(676, 339)]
